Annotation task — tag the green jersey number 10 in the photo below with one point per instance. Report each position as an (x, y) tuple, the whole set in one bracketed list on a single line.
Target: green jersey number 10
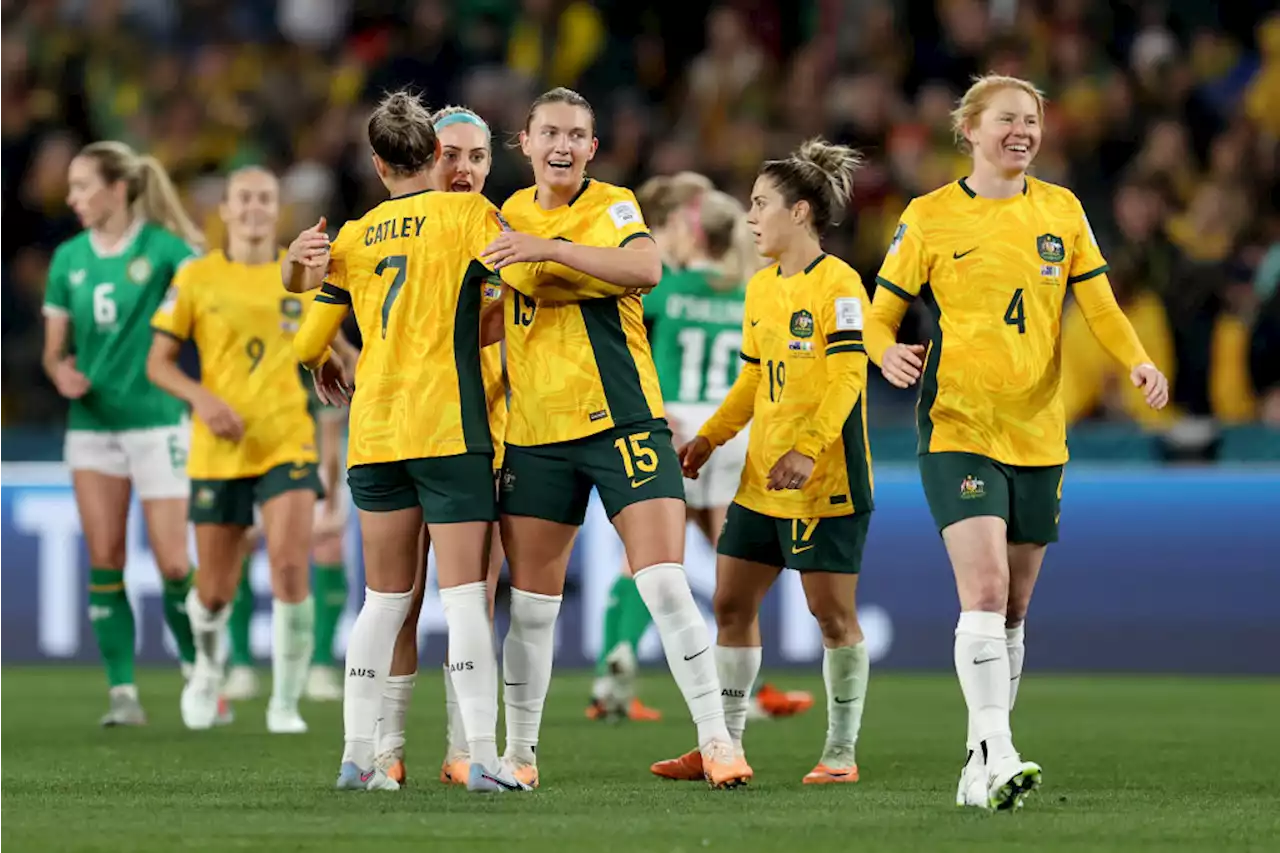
[(704, 370)]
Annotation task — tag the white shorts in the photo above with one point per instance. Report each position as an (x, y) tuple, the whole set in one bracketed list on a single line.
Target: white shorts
[(717, 482), (155, 460)]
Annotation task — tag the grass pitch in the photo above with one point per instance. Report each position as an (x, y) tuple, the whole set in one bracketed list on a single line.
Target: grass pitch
[(1131, 764)]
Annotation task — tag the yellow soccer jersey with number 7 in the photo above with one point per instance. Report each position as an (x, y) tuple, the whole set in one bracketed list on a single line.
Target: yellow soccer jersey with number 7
[(993, 273), (243, 323)]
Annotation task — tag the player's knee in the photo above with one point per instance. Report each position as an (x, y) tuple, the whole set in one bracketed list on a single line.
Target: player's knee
[(174, 568), (734, 611), (107, 554), (1015, 613), (290, 578), (838, 624)]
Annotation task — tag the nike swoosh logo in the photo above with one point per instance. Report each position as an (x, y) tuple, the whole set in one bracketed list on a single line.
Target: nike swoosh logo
[(754, 322), (365, 777), (692, 656), (840, 701), (977, 662), (795, 550), (501, 783), (514, 683), (635, 484), (958, 255)]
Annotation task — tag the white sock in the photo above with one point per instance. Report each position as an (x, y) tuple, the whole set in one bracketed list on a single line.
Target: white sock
[(456, 731), (394, 709), (845, 671), (1015, 642), (473, 669), (292, 641), (686, 641), (369, 651), (982, 664), (737, 668), (526, 668), (210, 634)]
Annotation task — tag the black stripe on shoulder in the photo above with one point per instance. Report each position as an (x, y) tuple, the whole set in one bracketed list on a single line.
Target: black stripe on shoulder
[(635, 236), (881, 281), (1088, 275), (333, 295), (836, 349)]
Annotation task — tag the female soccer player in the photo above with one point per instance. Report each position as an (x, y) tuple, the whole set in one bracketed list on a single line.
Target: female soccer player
[(805, 498), (253, 443), (123, 432), (419, 447), (993, 254), (586, 410)]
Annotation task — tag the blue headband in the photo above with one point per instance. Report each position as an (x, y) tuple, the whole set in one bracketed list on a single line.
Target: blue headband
[(462, 118)]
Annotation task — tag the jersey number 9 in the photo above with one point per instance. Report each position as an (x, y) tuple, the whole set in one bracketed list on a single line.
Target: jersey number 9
[(400, 264), (254, 348)]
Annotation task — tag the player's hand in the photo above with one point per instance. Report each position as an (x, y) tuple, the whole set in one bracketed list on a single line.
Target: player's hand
[(220, 418), (694, 455), (331, 387), (330, 522), (311, 247), (902, 364), (514, 247), (1153, 384), (69, 381), (792, 471)]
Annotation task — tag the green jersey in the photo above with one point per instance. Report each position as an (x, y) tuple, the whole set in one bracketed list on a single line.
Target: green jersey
[(697, 333), (110, 297)]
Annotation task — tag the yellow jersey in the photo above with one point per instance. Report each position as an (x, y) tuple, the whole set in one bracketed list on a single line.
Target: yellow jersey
[(994, 274), (802, 387), (242, 323), (495, 384), (576, 368), (410, 270)]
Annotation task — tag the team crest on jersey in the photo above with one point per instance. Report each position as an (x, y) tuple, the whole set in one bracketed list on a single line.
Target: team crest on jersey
[(1051, 248), (205, 497), (291, 308), (139, 270), (802, 324), (971, 487)]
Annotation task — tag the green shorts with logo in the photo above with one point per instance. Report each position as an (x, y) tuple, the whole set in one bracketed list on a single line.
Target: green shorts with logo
[(232, 501), (449, 489), (831, 544), (967, 485), (626, 464)]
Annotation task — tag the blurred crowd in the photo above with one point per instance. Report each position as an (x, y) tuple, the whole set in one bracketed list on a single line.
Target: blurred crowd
[(1164, 118)]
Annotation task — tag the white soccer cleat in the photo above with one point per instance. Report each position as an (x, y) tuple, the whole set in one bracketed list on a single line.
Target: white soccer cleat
[(242, 684), (199, 703), (323, 684), (124, 708), (623, 668), (1009, 781), (352, 778), (282, 720), (482, 781), (972, 790)]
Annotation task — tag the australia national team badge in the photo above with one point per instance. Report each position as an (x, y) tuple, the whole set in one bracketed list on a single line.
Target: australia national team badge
[(139, 270), (291, 308), (971, 487), (1051, 248), (802, 324)]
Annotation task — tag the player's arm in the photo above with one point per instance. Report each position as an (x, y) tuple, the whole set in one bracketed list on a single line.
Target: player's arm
[(738, 406), (312, 344), (841, 322), (493, 327), (1088, 280), (58, 365), (903, 274), (304, 264)]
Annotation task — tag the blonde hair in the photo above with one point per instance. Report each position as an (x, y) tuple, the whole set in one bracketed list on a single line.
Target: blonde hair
[(723, 223), (819, 173), (148, 190), (402, 134), (663, 195), (979, 95)]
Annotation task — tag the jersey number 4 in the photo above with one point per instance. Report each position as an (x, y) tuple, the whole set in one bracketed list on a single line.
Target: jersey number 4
[(400, 264), (1015, 314)]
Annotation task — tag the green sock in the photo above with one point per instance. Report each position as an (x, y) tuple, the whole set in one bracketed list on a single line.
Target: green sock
[(635, 618), (329, 586), (241, 619), (613, 620), (112, 619), (175, 616)]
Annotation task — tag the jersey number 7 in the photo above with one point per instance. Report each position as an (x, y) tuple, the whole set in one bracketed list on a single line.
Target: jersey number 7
[(400, 264)]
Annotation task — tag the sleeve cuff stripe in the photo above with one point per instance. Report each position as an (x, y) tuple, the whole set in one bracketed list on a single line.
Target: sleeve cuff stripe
[(748, 359), (54, 310), (1086, 276), (844, 337), (336, 295), (894, 289), (635, 236), (839, 348)]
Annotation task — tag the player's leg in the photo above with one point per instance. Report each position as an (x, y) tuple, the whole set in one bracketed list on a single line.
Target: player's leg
[(829, 574), (969, 497), (221, 510), (402, 676), (287, 495), (638, 476), (626, 619), (242, 677), (330, 588), (99, 477)]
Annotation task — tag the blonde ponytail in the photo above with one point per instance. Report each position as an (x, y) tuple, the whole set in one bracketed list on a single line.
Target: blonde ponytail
[(158, 201), (819, 173), (723, 223)]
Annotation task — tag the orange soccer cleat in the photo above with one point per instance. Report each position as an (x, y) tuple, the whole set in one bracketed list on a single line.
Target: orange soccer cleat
[(824, 775), (686, 768), (637, 711), (783, 703), (724, 766)]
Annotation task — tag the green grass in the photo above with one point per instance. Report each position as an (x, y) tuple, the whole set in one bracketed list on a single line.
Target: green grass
[(1131, 764)]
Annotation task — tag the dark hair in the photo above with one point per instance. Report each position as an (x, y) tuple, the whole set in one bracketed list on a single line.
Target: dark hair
[(559, 95), (819, 173), (401, 133)]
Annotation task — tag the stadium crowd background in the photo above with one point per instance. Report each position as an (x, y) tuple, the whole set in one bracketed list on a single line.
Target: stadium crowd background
[(1164, 118)]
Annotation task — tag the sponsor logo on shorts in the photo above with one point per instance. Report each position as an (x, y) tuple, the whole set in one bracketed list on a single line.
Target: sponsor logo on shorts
[(508, 481), (299, 471), (801, 550), (635, 484), (971, 487), (205, 497), (598, 416)]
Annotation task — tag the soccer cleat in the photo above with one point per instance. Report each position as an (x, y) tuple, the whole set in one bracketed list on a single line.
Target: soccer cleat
[(456, 768), (1010, 781), (123, 709), (825, 775), (481, 781), (226, 716), (392, 763), (199, 703), (522, 771), (323, 685), (352, 778), (782, 703), (686, 768), (641, 713), (972, 790), (283, 720), (241, 684), (725, 767)]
